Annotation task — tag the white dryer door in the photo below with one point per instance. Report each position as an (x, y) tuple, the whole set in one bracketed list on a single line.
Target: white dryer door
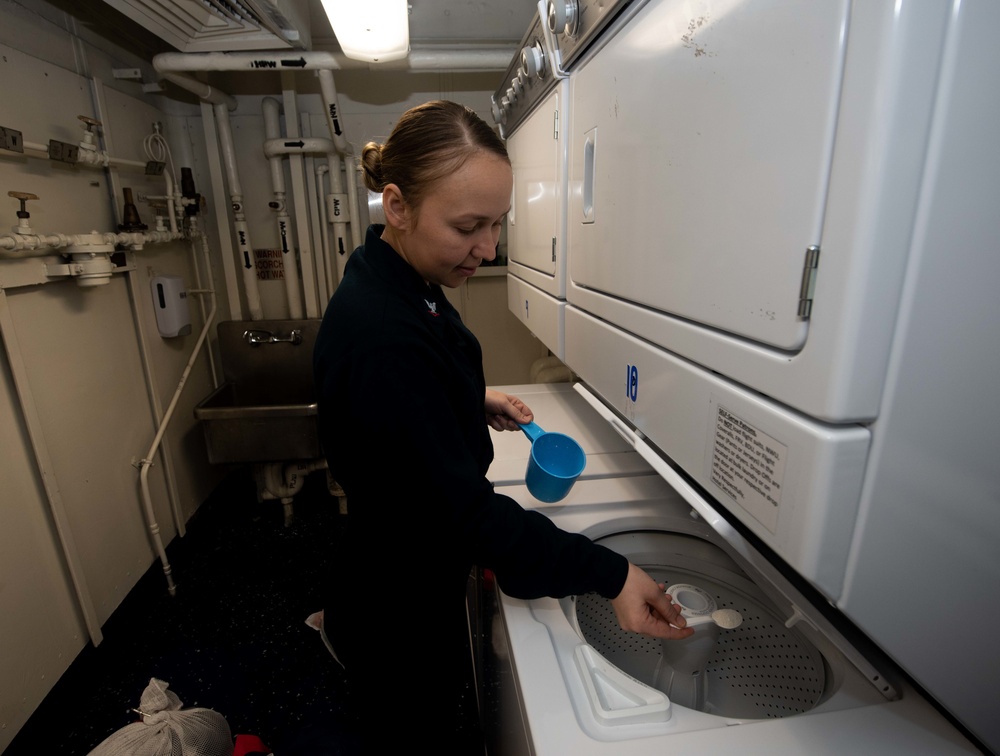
[(537, 216), (686, 194)]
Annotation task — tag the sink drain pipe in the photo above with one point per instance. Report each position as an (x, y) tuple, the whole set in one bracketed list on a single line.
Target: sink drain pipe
[(280, 480)]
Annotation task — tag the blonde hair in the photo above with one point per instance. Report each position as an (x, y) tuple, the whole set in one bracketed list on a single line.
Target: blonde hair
[(429, 142)]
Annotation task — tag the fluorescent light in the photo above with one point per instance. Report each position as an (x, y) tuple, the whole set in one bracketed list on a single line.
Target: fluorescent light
[(372, 30)]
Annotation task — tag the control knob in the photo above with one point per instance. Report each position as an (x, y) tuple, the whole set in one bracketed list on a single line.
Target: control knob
[(499, 116), (564, 17), (533, 60)]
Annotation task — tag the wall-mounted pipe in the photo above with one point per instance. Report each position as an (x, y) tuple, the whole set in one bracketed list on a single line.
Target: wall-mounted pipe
[(351, 167), (436, 59), (329, 265), (91, 158), (272, 131), (319, 258), (300, 201), (147, 460), (248, 265), (339, 213), (331, 109), (203, 91), (301, 145), (35, 245)]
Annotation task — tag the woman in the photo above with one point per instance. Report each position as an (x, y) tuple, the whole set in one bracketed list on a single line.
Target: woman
[(404, 412)]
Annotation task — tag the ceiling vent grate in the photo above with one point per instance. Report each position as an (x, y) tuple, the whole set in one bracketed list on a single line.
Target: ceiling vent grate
[(222, 25)]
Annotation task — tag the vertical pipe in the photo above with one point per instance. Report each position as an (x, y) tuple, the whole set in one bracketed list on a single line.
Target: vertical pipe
[(44, 462), (154, 528), (246, 258), (330, 262), (299, 199), (169, 191), (351, 166), (221, 217), (331, 108), (156, 409), (272, 130), (323, 293), (340, 215)]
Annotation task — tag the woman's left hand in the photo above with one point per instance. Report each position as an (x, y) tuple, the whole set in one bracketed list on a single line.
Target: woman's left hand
[(506, 412)]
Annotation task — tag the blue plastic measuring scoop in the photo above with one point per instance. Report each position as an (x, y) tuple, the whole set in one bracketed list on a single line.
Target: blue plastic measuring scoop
[(555, 463)]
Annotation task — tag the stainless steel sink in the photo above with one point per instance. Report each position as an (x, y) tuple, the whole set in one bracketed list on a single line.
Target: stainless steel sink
[(265, 411)]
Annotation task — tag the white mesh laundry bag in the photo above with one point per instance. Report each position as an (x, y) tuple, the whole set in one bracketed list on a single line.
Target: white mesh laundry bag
[(166, 730)]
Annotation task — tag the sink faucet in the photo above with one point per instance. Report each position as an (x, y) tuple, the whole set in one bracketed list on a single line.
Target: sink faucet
[(255, 336)]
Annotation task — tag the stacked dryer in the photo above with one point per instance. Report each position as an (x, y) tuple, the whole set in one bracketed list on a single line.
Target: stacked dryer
[(530, 109), (773, 268)]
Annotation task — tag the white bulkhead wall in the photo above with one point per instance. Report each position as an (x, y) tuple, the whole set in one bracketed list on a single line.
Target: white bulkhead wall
[(75, 410)]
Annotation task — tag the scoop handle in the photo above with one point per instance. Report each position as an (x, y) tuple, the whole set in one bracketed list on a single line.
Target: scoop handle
[(532, 430), (699, 619)]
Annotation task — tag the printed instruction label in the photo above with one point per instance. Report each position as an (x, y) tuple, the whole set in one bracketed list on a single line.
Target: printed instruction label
[(749, 466), (270, 264)]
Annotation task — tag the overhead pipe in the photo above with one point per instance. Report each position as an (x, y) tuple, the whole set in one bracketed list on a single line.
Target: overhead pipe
[(246, 258), (272, 131), (428, 59), (202, 90)]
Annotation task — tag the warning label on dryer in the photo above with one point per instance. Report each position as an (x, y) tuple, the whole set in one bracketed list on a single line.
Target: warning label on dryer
[(749, 466)]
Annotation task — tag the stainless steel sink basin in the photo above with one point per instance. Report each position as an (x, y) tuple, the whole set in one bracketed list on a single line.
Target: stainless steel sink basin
[(265, 411)]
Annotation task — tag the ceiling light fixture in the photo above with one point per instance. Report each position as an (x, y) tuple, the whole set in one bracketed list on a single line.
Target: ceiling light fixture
[(371, 30)]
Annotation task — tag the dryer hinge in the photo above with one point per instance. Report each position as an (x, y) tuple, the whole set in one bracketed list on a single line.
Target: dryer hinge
[(808, 282)]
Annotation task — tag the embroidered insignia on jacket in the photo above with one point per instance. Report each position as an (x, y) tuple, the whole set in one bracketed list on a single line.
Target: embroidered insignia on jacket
[(432, 307)]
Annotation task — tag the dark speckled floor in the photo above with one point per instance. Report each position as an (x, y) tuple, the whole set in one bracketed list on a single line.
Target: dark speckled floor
[(233, 639)]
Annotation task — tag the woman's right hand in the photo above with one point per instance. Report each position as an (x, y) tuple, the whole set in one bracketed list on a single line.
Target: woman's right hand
[(643, 607)]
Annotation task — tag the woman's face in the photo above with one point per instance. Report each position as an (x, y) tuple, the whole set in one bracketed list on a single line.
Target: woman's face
[(457, 224)]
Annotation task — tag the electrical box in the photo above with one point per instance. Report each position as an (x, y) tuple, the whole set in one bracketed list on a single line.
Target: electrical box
[(170, 301)]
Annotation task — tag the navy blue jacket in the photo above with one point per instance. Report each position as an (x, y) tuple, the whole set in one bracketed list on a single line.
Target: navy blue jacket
[(401, 390)]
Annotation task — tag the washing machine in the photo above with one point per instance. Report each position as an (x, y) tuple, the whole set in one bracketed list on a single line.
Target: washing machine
[(780, 271), (558, 676)]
